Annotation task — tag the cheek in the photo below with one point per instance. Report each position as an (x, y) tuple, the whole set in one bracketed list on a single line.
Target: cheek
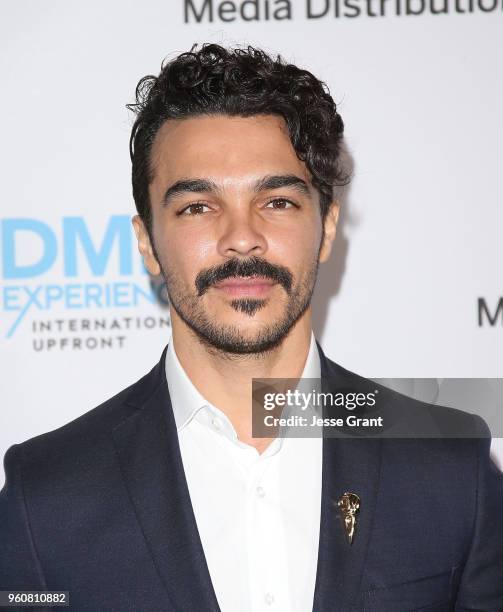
[(185, 254), (297, 247)]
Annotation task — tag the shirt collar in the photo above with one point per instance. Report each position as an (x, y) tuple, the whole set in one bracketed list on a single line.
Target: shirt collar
[(187, 401)]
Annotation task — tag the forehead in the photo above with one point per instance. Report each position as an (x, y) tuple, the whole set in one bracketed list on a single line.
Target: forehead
[(224, 148)]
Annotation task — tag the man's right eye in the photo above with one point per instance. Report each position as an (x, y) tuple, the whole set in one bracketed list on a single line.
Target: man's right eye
[(194, 209)]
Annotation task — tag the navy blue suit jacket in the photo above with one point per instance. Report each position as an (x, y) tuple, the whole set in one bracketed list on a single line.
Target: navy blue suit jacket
[(100, 507)]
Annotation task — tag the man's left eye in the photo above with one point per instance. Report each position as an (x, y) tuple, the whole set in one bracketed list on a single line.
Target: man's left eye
[(280, 204)]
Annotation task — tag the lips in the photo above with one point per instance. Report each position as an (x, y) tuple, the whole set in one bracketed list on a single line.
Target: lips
[(245, 286)]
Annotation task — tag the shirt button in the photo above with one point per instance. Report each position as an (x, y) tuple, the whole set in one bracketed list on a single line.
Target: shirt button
[(269, 599), (261, 493), (216, 423)]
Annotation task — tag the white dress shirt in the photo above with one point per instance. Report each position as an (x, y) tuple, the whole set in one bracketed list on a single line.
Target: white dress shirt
[(258, 515)]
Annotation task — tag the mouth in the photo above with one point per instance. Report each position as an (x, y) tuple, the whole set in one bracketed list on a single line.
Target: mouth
[(245, 286)]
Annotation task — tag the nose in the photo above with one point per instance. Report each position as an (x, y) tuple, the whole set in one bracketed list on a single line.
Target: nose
[(242, 235)]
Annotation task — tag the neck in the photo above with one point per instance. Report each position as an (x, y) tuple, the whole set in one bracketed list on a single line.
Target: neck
[(225, 379)]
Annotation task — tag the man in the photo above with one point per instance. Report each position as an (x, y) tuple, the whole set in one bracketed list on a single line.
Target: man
[(162, 498)]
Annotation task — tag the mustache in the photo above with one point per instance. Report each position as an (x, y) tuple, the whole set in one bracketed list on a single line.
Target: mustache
[(253, 266)]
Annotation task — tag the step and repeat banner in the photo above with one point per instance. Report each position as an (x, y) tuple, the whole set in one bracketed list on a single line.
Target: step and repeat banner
[(414, 287)]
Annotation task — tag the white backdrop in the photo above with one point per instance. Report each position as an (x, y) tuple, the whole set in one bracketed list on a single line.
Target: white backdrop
[(420, 237)]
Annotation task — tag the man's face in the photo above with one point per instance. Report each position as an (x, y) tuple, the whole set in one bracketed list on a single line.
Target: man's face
[(236, 229)]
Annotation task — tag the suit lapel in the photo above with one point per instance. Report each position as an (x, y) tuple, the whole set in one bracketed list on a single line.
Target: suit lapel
[(349, 465), (149, 454)]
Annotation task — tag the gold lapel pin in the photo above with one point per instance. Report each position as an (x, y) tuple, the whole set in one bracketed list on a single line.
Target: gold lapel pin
[(349, 505)]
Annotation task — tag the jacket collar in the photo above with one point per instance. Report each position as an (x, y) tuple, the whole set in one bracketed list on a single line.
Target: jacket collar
[(147, 446)]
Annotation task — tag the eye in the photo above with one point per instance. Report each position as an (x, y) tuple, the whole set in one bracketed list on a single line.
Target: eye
[(280, 204), (198, 208)]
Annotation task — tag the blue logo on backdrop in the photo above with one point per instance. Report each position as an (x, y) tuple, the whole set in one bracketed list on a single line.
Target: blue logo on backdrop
[(74, 251)]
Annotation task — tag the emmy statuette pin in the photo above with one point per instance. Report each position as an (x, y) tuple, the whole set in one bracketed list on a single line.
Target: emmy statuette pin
[(349, 505)]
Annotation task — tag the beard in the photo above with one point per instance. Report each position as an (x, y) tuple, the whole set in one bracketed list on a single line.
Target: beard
[(230, 339)]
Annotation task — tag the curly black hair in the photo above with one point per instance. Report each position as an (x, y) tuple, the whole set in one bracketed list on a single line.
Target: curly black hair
[(240, 82)]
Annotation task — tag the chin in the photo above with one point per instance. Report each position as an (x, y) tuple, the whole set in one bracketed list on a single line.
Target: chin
[(250, 323)]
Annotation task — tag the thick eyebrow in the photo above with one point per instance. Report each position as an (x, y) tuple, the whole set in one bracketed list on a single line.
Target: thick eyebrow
[(283, 180), (199, 185)]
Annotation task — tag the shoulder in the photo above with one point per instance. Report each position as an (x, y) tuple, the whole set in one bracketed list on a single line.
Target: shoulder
[(86, 436), (406, 416), (443, 452)]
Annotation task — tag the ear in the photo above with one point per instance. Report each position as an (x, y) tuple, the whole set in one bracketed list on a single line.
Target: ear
[(145, 246), (330, 227)]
